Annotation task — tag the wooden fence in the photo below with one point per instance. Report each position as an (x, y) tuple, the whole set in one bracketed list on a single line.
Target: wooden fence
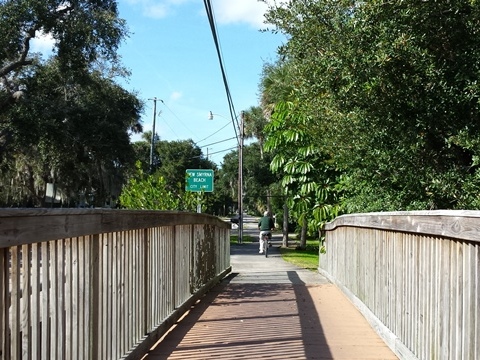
[(101, 284), (414, 275)]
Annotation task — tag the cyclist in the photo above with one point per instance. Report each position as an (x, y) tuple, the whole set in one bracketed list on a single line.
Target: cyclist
[(265, 225)]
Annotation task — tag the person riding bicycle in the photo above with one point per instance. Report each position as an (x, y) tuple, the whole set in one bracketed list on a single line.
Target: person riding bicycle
[(265, 225)]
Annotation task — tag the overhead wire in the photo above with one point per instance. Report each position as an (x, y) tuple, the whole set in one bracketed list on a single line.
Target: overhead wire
[(224, 150), (159, 113), (209, 136), (167, 123), (179, 120), (197, 142), (211, 19), (217, 142), (216, 152)]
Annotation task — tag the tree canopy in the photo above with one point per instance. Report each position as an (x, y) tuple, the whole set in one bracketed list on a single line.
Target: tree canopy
[(163, 186), (389, 97), (64, 120), (373, 106)]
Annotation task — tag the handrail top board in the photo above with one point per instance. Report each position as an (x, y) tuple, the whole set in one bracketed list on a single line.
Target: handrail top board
[(25, 226), (456, 224)]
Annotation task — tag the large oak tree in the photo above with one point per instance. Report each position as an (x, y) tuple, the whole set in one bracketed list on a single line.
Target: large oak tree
[(63, 120)]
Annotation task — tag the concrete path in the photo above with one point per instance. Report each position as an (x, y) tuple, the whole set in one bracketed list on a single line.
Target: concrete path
[(268, 308)]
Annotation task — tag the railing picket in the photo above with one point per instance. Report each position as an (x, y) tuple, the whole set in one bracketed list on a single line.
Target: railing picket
[(130, 294), (104, 298), (15, 351), (123, 306), (69, 295), (4, 305), (61, 341), (45, 300), (419, 270), (25, 302), (53, 299), (93, 296), (82, 275), (422, 317), (476, 295), (469, 305), (459, 301)]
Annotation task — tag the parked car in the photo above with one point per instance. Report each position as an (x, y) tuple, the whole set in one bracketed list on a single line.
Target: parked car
[(235, 219)]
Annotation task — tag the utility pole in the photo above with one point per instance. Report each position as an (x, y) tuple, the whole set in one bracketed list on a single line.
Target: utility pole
[(152, 143), (240, 170), (240, 181)]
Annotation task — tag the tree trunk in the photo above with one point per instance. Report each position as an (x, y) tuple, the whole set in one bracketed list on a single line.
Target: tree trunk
[(285, 224), (269, 203), (303, 236)]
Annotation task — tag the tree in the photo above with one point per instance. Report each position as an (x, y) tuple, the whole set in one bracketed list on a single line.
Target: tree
[(277, 86), (307, 170), (84, 31), (394, 88), (226, 183), (257, 177), (277, 83), (173, 159), (176, 157), (152, 192), (63, 121), (72, 135), (254, 123)]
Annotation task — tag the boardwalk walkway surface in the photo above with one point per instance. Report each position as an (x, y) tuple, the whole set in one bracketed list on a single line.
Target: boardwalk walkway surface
[(270, 309)]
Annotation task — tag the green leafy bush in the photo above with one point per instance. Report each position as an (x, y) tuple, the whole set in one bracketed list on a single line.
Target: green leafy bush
[(151, 192)]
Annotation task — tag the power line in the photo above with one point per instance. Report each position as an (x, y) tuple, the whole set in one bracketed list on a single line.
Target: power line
[(216, 152), (222, 151), (180, 121), (211, 19), (209, 136), (218, 142), (168, 124)]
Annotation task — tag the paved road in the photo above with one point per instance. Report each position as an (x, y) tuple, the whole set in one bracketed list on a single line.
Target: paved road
[(268, 308), (249, 266)]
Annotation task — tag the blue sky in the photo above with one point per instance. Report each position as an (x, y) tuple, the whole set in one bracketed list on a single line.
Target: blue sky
[(171, 56)]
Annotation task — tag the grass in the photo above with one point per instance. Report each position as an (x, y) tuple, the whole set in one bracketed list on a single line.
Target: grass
[(307, 259), (234, 239)]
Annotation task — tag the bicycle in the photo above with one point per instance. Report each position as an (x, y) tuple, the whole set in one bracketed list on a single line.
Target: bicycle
[(266, 241)]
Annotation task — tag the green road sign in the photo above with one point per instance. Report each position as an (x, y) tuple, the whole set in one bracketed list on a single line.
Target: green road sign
[(199, 180)]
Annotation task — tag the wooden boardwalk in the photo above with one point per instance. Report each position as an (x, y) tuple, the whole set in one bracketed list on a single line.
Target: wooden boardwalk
[(270, 309)]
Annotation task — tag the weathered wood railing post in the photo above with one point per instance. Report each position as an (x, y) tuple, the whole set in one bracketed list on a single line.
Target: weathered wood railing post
[(94, 328)]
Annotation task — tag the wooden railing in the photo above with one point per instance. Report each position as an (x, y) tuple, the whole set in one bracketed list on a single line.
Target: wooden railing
[(414, 275), (101, 284)]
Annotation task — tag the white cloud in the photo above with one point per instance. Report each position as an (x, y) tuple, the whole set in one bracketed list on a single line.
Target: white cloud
[(157, 9), (249, 12), (178, 2), (240, 11), (175, 95)]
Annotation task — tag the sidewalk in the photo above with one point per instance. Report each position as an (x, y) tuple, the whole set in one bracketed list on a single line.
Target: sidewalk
[(268, 308)]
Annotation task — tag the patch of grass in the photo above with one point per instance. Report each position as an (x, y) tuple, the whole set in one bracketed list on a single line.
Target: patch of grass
[(307, 259), (234, 239)]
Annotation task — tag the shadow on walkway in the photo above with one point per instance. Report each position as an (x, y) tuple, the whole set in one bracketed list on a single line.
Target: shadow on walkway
[(270, 309)]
